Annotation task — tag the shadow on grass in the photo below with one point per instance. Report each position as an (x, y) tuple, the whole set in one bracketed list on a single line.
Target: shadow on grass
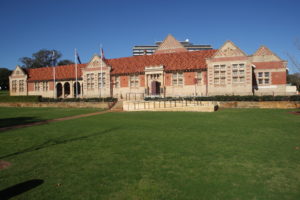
[(20, 188), (53, 142), (7, 122)]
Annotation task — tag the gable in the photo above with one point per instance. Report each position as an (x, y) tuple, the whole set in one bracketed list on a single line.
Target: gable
[(229, 49), (18, 72), (170, 45), (96, 62), (264, 54)]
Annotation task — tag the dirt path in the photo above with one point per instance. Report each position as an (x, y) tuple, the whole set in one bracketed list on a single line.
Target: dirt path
[(53, 120)]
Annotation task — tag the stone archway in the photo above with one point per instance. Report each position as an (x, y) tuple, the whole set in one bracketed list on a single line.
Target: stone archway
[(58, 90), (78, 89), (67, 90)]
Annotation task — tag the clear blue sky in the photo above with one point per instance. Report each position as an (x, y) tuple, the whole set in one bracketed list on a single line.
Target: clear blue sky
[(30, 25)]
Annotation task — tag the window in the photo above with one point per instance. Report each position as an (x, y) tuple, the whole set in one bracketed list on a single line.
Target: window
[(36, 86), (177, 79), (45, 86), (263, 78), (21, 85), (14, 86), (238, 73), (117, 81), (235, 79), (199, 78), (267, 74), (220, 74), (222, 81), (134, 81), (90, 81), (101, 77)]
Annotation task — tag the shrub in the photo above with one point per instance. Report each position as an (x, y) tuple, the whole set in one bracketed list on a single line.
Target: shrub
[(20, 99), (107, 99), (228, 98)]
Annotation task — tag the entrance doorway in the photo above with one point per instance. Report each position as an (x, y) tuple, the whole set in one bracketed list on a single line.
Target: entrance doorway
[(78, 89), (155, 88), (67, 89), (58, 90)]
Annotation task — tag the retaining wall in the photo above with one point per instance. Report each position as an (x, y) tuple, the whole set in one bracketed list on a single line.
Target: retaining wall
[(260, 104)]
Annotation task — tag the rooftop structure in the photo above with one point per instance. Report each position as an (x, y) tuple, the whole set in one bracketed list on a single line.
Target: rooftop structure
[(151, 49)]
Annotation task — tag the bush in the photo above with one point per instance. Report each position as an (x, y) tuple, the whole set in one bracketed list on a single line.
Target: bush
[(228, 98), (107, 99), (20, 99)]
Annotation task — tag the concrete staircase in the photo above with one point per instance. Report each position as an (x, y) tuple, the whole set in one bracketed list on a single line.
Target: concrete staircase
[(118, 107), (178, 105)]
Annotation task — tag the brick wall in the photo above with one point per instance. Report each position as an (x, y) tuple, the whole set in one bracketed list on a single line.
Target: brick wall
[(189, 78), (168, 79), (278, 77), (142, 80), (30, 87), (124, 81)]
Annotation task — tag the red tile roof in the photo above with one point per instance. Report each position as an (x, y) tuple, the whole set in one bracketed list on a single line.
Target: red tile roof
[(127, 65), (171, 61), (61, 72), (269, 65)]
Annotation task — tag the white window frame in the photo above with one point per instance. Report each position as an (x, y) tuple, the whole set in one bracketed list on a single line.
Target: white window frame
[(238, 72), (219, 71), (134, 81), (177, 79), (103, 79), (265, 78)]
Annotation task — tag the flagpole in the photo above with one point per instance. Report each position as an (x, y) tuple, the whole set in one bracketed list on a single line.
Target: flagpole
[(76, 93), (101, 72), (54, 85)]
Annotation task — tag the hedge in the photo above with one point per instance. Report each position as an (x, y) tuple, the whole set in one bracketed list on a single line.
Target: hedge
[(228, 98), (7, 99), (107, 99), (12, 99)]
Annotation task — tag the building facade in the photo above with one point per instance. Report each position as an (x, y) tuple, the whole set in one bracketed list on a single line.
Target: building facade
[(171, 71)]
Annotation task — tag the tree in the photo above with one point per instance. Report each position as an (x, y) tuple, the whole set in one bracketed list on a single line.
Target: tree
[(294, 79), (295, 62), (4, 80), (43, 58), (65, 62)]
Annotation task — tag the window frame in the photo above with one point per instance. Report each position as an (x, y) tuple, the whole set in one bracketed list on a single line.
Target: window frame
[(177, 79)]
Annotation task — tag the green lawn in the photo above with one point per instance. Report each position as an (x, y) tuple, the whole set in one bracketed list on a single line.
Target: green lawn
[(4, 92), (10, 116), (230, 154)]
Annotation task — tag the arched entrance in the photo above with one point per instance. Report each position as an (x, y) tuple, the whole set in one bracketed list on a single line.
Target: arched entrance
[(78, 89), (58, 90), (67, 89), (155, 88)]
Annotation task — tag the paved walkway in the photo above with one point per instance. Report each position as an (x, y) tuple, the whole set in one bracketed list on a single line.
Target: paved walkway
[(54, 120)]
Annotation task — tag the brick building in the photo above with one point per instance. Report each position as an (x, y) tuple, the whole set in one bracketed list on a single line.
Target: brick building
[(171, 71)]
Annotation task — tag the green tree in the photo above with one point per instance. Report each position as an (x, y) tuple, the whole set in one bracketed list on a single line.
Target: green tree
[(43, 58), (65, 62), (4, 80), (294, 79)]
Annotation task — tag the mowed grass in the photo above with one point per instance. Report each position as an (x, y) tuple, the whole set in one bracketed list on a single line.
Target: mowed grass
[(230, 154), (10, 116)]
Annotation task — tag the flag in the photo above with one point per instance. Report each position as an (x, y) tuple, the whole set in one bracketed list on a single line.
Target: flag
[(102, 54), (53, 60), (77, 57)]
